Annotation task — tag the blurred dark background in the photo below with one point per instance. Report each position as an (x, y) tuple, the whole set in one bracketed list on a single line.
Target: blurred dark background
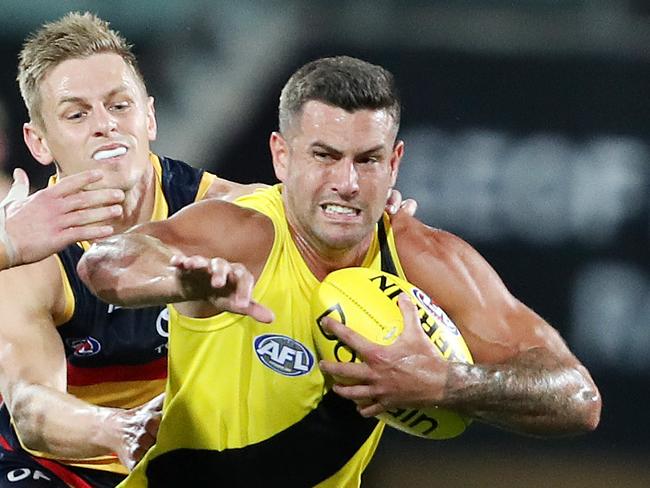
[(527, 127)]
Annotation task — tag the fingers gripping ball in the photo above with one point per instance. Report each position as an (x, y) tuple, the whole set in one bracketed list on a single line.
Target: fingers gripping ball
[(366, 301)]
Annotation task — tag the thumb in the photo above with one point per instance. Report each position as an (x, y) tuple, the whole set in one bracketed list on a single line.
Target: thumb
[(157, 402), (20, 186)]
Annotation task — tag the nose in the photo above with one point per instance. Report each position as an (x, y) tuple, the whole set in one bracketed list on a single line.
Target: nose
[(104, 121), (346, 178)]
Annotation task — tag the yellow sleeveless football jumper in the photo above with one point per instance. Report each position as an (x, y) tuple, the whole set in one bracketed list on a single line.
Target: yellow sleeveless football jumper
[(246, 403)]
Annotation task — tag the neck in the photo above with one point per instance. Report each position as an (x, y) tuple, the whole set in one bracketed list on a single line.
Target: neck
[(138, 203), (322, 261)]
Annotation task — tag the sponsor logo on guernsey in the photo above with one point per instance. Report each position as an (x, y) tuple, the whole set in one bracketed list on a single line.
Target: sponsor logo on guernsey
[(283, 354), (433, 309), (162, 328), (86, 346), (162, 323)]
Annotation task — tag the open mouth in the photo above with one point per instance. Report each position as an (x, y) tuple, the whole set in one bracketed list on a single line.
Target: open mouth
[(334, 210), (109, 153)]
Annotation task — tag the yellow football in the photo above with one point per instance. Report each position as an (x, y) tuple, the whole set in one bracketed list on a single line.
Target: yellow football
[(366, 301)]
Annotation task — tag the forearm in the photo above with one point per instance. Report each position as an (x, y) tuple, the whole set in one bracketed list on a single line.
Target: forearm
[(533, 393), (51, 421), (131, 270)]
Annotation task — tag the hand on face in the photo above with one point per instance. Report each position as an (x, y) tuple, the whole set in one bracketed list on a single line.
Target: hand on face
[(139, 430), (406, 373), (227, 286), (55, 217)]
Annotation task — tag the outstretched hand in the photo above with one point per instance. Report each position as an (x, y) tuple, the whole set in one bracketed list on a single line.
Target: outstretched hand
[(407, 373), (227, 286), (55, 217), (139, 430)]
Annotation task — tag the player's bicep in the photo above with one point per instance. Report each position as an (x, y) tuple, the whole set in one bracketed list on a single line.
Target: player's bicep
[(194, 230), (31, 351), (496, 325), (213, 228)]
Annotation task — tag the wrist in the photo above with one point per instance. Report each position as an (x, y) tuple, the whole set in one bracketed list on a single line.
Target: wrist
[(463, 379), (108, 432)]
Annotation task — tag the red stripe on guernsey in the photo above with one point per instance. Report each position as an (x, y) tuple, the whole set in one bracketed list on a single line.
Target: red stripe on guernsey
[(68, 477), (5, 444), (154, 370), (64, 474)]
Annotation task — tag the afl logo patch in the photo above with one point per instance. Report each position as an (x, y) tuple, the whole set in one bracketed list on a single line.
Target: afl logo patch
[(87, 346), (283, 354)]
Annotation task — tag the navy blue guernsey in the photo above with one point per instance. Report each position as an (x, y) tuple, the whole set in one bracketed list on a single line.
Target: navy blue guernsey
[(118, 356)]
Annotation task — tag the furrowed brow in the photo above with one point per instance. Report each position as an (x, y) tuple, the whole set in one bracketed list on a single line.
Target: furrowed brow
[(327, 148)]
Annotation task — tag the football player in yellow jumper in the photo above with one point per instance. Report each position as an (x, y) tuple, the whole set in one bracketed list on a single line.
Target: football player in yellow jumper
[(247, 404)]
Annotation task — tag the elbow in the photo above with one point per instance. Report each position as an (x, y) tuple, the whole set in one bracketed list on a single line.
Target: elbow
[(28, 422), (591, 408), (91, 272), (95, 270), (586, 402), (84, 269)]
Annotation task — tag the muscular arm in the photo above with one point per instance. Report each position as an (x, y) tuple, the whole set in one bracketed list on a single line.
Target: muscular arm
[(33, 370), (524, 378), (135, 269)]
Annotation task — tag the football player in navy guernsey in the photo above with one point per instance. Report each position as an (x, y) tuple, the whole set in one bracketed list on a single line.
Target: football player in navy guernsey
[(81, 379), (242, 332)]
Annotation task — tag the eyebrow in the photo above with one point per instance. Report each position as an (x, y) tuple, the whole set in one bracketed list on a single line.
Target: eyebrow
[(326, 147), (335, 151), (111, 93)]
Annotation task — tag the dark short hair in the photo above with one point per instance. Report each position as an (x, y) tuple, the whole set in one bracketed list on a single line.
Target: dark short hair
[(342, 81)]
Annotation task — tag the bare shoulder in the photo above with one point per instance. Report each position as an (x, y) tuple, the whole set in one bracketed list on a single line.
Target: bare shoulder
[(227, 190), (35, 287), (446, 266), (421, 247)]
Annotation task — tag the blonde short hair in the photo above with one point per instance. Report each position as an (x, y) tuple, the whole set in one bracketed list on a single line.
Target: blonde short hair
[(76, 35)]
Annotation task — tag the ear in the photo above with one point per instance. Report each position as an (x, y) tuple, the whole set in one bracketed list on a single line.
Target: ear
[(280, 153), (152, 125), (395, 160), (37, 144)]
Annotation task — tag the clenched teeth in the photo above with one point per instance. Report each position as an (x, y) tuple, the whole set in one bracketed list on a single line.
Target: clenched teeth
[(338, 209), (109, 153)]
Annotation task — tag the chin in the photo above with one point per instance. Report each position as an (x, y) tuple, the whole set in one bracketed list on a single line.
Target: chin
[(343, 242), (120, 182)]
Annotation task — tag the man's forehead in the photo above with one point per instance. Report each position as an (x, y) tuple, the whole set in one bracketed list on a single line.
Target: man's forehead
[(316, 109), (321, 118), (323, 123), (93, 76)]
